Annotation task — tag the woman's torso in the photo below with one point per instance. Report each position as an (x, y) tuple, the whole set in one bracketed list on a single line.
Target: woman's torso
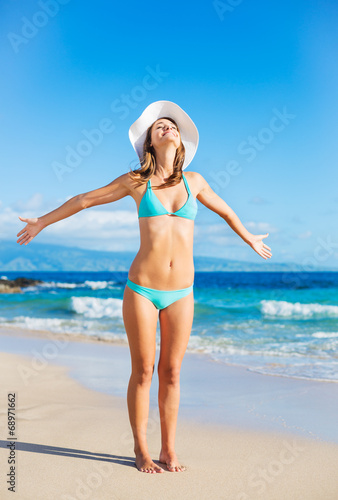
[(165, 258)]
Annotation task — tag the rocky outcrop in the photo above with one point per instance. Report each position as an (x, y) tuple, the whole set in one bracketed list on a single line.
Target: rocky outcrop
[(15, 286)]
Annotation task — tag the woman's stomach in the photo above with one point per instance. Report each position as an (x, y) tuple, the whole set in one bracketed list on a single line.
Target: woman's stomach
[(165, 258)]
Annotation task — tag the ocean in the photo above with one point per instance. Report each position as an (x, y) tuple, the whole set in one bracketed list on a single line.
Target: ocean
[(277, 323)]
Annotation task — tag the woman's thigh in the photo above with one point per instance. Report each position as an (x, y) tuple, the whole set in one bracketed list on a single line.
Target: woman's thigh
[(175, 324), (140, 321)]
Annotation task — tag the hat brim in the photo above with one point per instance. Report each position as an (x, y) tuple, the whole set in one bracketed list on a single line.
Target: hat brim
[(159, 109)]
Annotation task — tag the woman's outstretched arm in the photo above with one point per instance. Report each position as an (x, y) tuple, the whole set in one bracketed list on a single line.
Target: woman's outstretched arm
[(117, 189), (215, 203)]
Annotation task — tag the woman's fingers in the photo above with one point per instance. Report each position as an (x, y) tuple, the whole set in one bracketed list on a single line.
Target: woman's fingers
[(23, 239), (21, 232), (264, 253)]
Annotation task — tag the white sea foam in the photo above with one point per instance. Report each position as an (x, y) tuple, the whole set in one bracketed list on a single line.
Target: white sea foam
[(51, 324), (290, 309), (67, 285), (89, 327), (92, 307), (314, 371), (271, 359), (96, 285), (218, 346), (53, 284), (325, 335)]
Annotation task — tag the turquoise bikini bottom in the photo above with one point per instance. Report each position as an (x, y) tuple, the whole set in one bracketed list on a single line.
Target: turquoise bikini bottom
[(160, 298)]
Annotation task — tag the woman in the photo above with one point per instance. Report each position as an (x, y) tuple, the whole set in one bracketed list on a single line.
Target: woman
[(160, 279)]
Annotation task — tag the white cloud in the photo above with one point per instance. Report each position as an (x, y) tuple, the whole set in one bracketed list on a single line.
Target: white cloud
[(35, 202), (98, 229)]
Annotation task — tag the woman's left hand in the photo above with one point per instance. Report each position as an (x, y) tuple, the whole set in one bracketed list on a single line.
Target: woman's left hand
[(257, 244)]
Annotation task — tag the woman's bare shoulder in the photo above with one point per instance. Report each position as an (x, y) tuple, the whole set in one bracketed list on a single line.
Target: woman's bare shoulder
[(132, 184), (196, 180), (127, 180)]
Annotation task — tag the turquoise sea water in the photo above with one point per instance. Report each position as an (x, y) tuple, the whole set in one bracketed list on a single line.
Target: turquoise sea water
[(276, 323)]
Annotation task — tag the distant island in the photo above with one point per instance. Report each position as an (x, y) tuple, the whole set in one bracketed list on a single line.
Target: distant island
[(45, 257)]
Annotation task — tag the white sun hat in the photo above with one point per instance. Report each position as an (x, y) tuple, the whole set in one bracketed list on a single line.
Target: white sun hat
[(160, 109)]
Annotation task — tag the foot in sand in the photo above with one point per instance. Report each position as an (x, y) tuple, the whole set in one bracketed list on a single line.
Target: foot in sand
[(145, 464), (171, 461)]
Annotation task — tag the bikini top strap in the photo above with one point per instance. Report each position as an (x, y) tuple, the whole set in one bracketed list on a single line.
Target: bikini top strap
[(186, 183)]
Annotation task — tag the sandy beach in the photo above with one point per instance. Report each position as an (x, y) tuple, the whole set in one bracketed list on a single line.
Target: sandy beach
[(73, 442)]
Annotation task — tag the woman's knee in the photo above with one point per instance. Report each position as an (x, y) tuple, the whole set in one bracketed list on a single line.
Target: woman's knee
[(143, 374), (169, 373)]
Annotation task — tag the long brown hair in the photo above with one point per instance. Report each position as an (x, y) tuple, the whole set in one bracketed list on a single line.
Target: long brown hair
[(148, 161)]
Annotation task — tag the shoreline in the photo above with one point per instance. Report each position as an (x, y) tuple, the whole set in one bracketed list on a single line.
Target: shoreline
[(80, 337), (73, 442)]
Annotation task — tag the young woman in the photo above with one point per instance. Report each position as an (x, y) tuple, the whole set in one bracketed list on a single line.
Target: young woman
[(160, 279)]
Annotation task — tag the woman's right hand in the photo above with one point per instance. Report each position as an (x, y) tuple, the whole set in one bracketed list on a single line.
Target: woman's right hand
[(33, 227)]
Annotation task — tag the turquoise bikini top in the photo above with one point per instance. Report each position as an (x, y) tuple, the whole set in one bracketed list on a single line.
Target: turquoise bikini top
[(151, 206)]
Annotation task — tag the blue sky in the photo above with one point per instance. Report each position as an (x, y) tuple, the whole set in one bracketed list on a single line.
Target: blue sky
[(259, 75)]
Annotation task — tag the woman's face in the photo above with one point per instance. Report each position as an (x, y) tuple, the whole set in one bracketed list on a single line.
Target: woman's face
[(164, 131)]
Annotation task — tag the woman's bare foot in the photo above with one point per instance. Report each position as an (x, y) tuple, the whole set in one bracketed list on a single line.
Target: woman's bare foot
[(145, 464), (171, 461)]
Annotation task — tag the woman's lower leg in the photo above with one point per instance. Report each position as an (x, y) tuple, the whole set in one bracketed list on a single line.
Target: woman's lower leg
[(138, 407), (168, 402)]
